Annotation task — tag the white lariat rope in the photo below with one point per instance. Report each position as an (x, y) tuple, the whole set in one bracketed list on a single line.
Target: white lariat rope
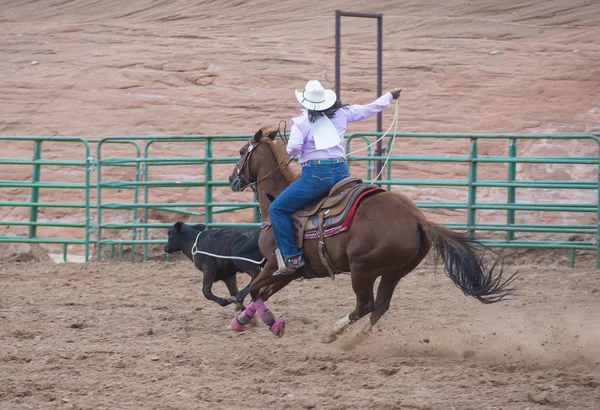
[(393, 124), (394, 121), (195, 251)]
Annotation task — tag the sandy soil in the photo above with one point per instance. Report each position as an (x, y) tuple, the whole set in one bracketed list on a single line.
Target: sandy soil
[(125, 336), (140, 336)]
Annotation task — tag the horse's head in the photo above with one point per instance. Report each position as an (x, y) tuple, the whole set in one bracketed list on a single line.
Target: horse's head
[(252, 155)]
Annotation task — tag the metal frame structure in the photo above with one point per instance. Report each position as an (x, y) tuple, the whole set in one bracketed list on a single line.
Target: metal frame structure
[(338, 57)]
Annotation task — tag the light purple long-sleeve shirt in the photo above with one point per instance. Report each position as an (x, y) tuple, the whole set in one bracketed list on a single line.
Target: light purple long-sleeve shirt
[(301, 141)]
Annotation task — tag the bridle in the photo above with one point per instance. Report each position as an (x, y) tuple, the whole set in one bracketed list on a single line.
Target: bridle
[(242, 166)]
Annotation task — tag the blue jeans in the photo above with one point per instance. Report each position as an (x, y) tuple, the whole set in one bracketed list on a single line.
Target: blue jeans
[(316, 181)]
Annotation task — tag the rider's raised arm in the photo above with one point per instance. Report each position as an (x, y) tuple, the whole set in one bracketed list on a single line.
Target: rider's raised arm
[(360, 112)]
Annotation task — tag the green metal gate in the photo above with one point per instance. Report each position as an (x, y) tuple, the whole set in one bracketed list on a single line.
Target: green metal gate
[(138, 177), (83, 161)]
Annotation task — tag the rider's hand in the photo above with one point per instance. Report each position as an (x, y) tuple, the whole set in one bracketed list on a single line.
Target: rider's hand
[(396, 93)]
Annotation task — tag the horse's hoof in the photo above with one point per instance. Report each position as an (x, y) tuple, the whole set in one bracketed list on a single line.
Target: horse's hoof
[(239, 307), (278, 328), (329, 337), (367, 329), (236, 326)]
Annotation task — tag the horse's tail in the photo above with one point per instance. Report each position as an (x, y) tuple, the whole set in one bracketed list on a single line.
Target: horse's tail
[(462, 264)]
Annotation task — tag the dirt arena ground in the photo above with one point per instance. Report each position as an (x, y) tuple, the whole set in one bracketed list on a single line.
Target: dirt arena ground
[(141, 336)]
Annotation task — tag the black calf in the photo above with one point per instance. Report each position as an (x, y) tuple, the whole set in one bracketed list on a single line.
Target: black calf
[(238, 242)]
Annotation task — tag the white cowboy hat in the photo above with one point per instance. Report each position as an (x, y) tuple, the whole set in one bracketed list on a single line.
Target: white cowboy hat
[(316, 98)]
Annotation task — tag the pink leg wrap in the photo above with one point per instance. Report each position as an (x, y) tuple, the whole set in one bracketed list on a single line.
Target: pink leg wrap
[(239, 323), (276, 326), (264, 313), (236, 326), (246, 316)]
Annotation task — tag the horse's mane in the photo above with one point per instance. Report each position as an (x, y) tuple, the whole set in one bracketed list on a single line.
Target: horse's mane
[(291, 171)]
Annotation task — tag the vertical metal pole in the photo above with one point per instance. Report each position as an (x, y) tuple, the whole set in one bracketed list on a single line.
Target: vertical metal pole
[(146, 193), (99, 202), (137, 178), (35, 178), (207, 182), (380, 151), (88, 171), (512, 175), (338, 57), (257, 217), (146, 171), (472, 194), (379, 17)]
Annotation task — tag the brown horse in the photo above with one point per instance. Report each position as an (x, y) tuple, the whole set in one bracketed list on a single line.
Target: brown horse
[(388, 238)]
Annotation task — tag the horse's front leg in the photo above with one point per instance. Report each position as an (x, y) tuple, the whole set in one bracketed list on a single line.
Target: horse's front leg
[(268, 284), (239, 299), (267, 291)]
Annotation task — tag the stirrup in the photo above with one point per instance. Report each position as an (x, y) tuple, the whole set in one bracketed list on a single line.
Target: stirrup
[(283, 269)]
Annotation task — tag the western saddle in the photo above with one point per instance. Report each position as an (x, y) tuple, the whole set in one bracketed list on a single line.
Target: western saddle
[(330, 215)]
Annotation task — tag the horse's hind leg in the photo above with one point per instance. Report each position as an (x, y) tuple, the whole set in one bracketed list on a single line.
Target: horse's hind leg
[(363, 288), (390, 280), (388, 284), (385, 290)]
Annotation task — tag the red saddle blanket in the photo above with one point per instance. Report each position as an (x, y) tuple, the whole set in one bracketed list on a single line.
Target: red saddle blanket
[(337, 223)]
